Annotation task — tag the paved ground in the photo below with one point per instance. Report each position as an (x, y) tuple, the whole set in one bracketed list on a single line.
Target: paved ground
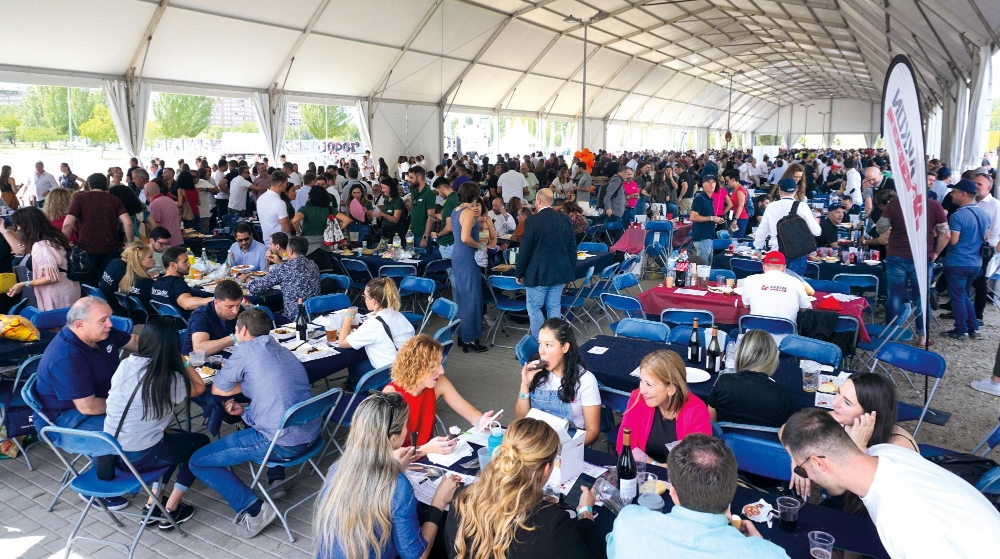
[(488, 381)]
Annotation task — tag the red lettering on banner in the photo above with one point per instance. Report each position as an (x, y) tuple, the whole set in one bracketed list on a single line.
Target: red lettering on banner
[(904, 169)]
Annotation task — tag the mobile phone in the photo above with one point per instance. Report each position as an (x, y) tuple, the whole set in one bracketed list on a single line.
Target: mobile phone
[(492, 419), (413, 439), (572, 499)]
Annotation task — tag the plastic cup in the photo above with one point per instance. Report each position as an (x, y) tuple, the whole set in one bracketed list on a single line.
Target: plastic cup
[(197, 358), (332, 334), (647, 483), (788, 513), (484, 457), (730, 282), (820, 545), (669, 281), (720, 281)]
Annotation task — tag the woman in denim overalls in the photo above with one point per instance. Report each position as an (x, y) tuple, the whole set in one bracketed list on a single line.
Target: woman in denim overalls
[(576, 399)]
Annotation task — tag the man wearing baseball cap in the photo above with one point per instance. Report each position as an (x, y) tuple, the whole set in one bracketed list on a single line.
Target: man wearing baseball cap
[(704, 219), (831, 225), (768, 229), (969, 227), (775, 293)]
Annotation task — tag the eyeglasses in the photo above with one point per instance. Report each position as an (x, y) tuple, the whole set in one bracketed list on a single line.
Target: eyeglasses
[(246, 240), (800, 471)]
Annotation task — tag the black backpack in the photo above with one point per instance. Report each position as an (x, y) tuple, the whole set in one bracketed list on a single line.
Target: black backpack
[(603, 190), (794, 237), (79, 264)]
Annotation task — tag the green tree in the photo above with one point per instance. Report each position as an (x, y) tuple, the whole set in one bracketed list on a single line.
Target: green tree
[(49, 107), (995, 115), (10, 123), (329, 122), (42, 135), (767, 140), (100, 129), (182, 116)]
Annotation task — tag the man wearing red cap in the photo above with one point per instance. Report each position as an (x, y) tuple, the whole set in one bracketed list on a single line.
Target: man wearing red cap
[(775, 293)]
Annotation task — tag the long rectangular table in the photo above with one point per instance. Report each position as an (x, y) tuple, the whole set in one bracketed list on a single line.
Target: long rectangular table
[(826, 269), (613, 369), (729, 308)]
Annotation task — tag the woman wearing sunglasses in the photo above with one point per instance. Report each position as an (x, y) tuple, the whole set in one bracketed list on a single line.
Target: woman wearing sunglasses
[(382, 523)]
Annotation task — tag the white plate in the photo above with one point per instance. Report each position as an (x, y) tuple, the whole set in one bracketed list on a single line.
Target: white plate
[(696, 375), (873, 262)]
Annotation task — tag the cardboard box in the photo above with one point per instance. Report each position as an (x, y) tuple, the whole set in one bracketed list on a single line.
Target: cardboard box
[(569, 462)]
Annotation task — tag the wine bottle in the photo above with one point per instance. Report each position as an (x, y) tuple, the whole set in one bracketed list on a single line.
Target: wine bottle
[(713, 356), (302, 322), (626, 469), (694, 345)]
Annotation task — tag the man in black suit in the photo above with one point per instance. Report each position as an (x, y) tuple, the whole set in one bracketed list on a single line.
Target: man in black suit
[(546, 259)]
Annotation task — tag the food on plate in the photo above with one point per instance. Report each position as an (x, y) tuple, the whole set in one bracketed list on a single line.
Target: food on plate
[(828, 387), (282, 331), (830, 259), (809, 289), (241, 268), (206, 371), (313, 350), (367, 251), (751, 510), (658, 485)]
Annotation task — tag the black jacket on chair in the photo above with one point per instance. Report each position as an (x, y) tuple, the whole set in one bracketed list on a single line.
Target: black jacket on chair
[(547, 254)]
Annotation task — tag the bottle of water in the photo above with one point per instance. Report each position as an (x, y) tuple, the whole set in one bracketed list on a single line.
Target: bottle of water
[(409, 240), (730, 357), (397, 246)]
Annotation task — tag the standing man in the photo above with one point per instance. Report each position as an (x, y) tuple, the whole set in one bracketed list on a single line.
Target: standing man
[(511, 184), (547, 260), (778, 209), (991, 207), (38, 186), (221, 179), (852, 182), (970, 227), (163, 212), (95, 215), (367, 165), (271, 209), (529, 198), (614, 196), (422, 204), (685, 188), (705, 221), (446, 236), (942, 183), (239, 189)]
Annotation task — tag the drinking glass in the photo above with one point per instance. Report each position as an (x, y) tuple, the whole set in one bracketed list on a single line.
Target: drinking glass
[(647, 483), (820, 545), (788, 513), (197, 358), (729, 282), (720, 281), (332, 332), (810, 378), (669, 281), (484, 457)]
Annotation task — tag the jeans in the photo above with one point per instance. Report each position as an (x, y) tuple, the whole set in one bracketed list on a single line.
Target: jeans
[(959, 280), (741, 228), (174, 449), (446, 251), (210, 464), (798, 265), (704, 251), (548, 296), (902, 278), (356, 371), (73, 419)]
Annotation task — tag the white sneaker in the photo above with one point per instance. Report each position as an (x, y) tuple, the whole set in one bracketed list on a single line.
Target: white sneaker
[(986, 385)]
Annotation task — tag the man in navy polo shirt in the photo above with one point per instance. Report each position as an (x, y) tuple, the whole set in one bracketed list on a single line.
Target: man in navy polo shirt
[(74, 374), (171, 289), (212, 327), (704, 219)]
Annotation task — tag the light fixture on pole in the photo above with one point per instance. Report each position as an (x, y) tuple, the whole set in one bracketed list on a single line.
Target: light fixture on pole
[(729, 111), (824, 113), (601, 15), (805, 128)]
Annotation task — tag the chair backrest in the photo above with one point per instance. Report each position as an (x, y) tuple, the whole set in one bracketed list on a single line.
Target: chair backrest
[(812, 270), (91, 291), (123, 301), (447, 332), (120, 323), (267, 311), (505, 283), (446, 348), (397, 271), (437, 266), (342, 282), (685, 317), (716, 272), (643, 329), (445, 308), (827, 286), (592, 247), (989, 442), (356, 269), (679, 334), (912, 359), (525, 348), (623, 282), (28, 391), (861, 282), (746, 265), (46, 320), (19, 307), (75, 441), (758, 456), (374, 380), (415, 284), (722, 234), (164, 309), (809, 348), (321, 304), (616, 400), (622, 303), (310, 410), (769, 324)]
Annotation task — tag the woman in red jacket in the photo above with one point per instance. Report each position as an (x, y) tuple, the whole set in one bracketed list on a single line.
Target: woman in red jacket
[(662, 411)]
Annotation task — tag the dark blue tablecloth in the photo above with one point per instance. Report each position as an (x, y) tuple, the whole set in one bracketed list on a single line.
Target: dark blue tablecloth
[(613, 368), (11, 350), (598, 261), (375, 261), (851, 532), (826, 270)]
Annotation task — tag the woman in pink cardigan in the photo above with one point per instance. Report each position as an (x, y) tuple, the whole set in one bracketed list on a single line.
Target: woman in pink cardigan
[(662, 411)]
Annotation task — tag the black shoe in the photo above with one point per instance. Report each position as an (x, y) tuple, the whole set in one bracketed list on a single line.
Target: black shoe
[(156, 513), (947, 315), (477, 347), (945, 306), (975, 335), (463, 345), (183, 513), (956, 335)]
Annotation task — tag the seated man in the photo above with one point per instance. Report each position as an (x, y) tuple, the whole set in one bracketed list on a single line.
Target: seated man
[(894, 484), (298, 277), (703, 483), (274, 380), (212, 327), (849, 206), (246, 250), (775, 293), (831, 225), (277, 249), (171, 289), (159, 241)]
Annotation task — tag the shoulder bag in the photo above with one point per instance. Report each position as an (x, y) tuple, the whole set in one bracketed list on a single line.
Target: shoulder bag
[(106, 464)]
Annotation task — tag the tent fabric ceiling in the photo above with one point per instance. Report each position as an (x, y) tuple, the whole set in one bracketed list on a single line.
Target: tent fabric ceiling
[(649, 61)]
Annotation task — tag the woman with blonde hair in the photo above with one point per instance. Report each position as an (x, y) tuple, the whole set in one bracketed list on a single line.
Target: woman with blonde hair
[(796, 172), (382, 524), (138, 258), (503, 515), (418, 375), (662, 410), (750, 396), (382, 334), (57, 206)]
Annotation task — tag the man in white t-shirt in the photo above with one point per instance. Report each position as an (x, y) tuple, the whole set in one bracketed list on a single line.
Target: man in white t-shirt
[(512, 183), (238, 189), (775, 293), (271, 209), (919, 509), (852, 183)]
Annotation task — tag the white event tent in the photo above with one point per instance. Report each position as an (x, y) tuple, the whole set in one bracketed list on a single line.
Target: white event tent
[(796, 66)]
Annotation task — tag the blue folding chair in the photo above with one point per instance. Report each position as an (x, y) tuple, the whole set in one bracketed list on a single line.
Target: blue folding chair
[(597, 248), (342, 282), (745, 267), (440, 271), (612, 402), (505, 305), (722, 234), (770, 324), (623, 282), (525, 348), (812, 270), (643, 329), (592, 232), (411, 286), (601, 285), (19, 306), (918, 361), (322, 304), (446, 348), (852, 325), (861, 284), (721, 244), (827, 286), (819, 351), (359, 273), (121, 323), (217, 249), (629, 307), (397, 271), (127, 480), (41, 420), (316, 409), (46, 320), (447, 332), (758, 456), (576, 301), (164, 309), (685, 317), (137, 311), (898, 330), (442, 307), (987, 444), (267, 311), (91, 291), (14, 411), (726, 274), (343, 413), (610, 226), (658, 242)]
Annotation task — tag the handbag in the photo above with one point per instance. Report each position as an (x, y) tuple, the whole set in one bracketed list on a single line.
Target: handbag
[(107, 464), (187, 214), (794, 237)]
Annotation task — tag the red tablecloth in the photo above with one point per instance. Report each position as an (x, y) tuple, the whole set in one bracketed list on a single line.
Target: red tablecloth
[(633, 240), (729, 309), (681, 233)]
